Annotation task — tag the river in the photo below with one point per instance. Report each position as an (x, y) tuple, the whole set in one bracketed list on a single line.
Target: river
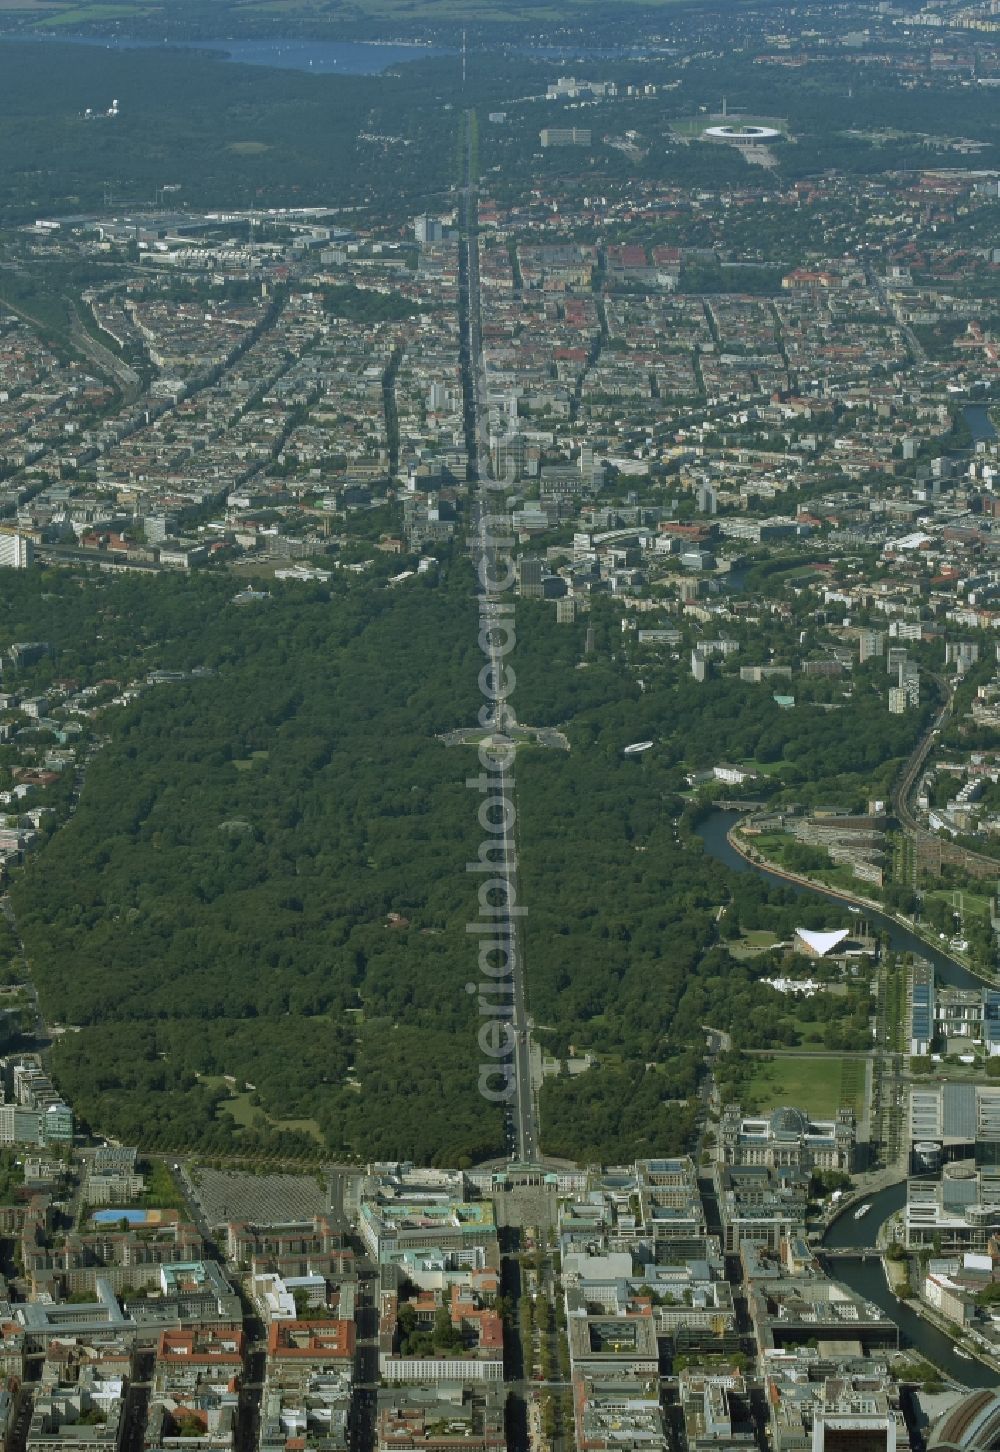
[(867, 1277), (713, 832)]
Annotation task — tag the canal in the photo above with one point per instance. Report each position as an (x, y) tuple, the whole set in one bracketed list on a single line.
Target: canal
[(867, 1277)]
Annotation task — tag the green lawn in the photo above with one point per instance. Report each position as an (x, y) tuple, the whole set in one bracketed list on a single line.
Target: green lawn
[(812, 1031), (968, 903), (842, 877), (752, 943), (244, 763), (161, 1190), (820, 1086), (244, 1112)]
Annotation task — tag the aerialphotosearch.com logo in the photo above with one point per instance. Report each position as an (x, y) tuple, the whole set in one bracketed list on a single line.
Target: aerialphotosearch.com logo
[(499, 911)]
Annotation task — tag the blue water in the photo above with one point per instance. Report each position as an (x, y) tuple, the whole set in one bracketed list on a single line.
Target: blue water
[(345, 57), (315, 57), (586, 53), (713, 829), (319, 57), (115, 1217), (867, 1277), (977, 416)]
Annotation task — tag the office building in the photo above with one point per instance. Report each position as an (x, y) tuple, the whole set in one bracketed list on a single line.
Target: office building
[(530, 572), (961, 1120), (960, 1211), (17, 552), (428, 229), (871, 643), (564, 136)]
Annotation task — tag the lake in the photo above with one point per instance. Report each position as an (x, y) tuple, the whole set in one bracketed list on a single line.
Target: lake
[(315, 57), (345, 57), (977, 416)]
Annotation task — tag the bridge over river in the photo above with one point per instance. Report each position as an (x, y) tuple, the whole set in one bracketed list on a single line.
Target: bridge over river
[(848, 1252)]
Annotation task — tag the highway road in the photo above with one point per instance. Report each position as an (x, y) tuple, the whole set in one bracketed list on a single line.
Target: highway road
[(913, 342), (493, 567), (523, 1106)]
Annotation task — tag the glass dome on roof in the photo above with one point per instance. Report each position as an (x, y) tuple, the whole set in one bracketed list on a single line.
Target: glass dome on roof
[(789, 1121)]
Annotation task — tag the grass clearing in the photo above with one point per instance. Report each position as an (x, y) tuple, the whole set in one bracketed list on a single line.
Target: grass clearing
[(300, 1126), (752, 944), (161, 1191), (969, 904), (820, 1086), (244, 1113), (812, 1031)]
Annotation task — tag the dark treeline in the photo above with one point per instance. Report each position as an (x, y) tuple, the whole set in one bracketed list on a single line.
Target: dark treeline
[(229, 135), (265, 878)]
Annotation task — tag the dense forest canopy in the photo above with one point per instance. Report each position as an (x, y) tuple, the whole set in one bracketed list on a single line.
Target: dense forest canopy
[(233, 135), (264, 879), (265, 876)]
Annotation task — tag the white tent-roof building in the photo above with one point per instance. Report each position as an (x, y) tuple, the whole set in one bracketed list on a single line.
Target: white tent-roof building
[(818, 945)]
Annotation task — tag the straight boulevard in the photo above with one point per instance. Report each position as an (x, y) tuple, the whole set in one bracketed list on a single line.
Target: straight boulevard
[(522, 1123)]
